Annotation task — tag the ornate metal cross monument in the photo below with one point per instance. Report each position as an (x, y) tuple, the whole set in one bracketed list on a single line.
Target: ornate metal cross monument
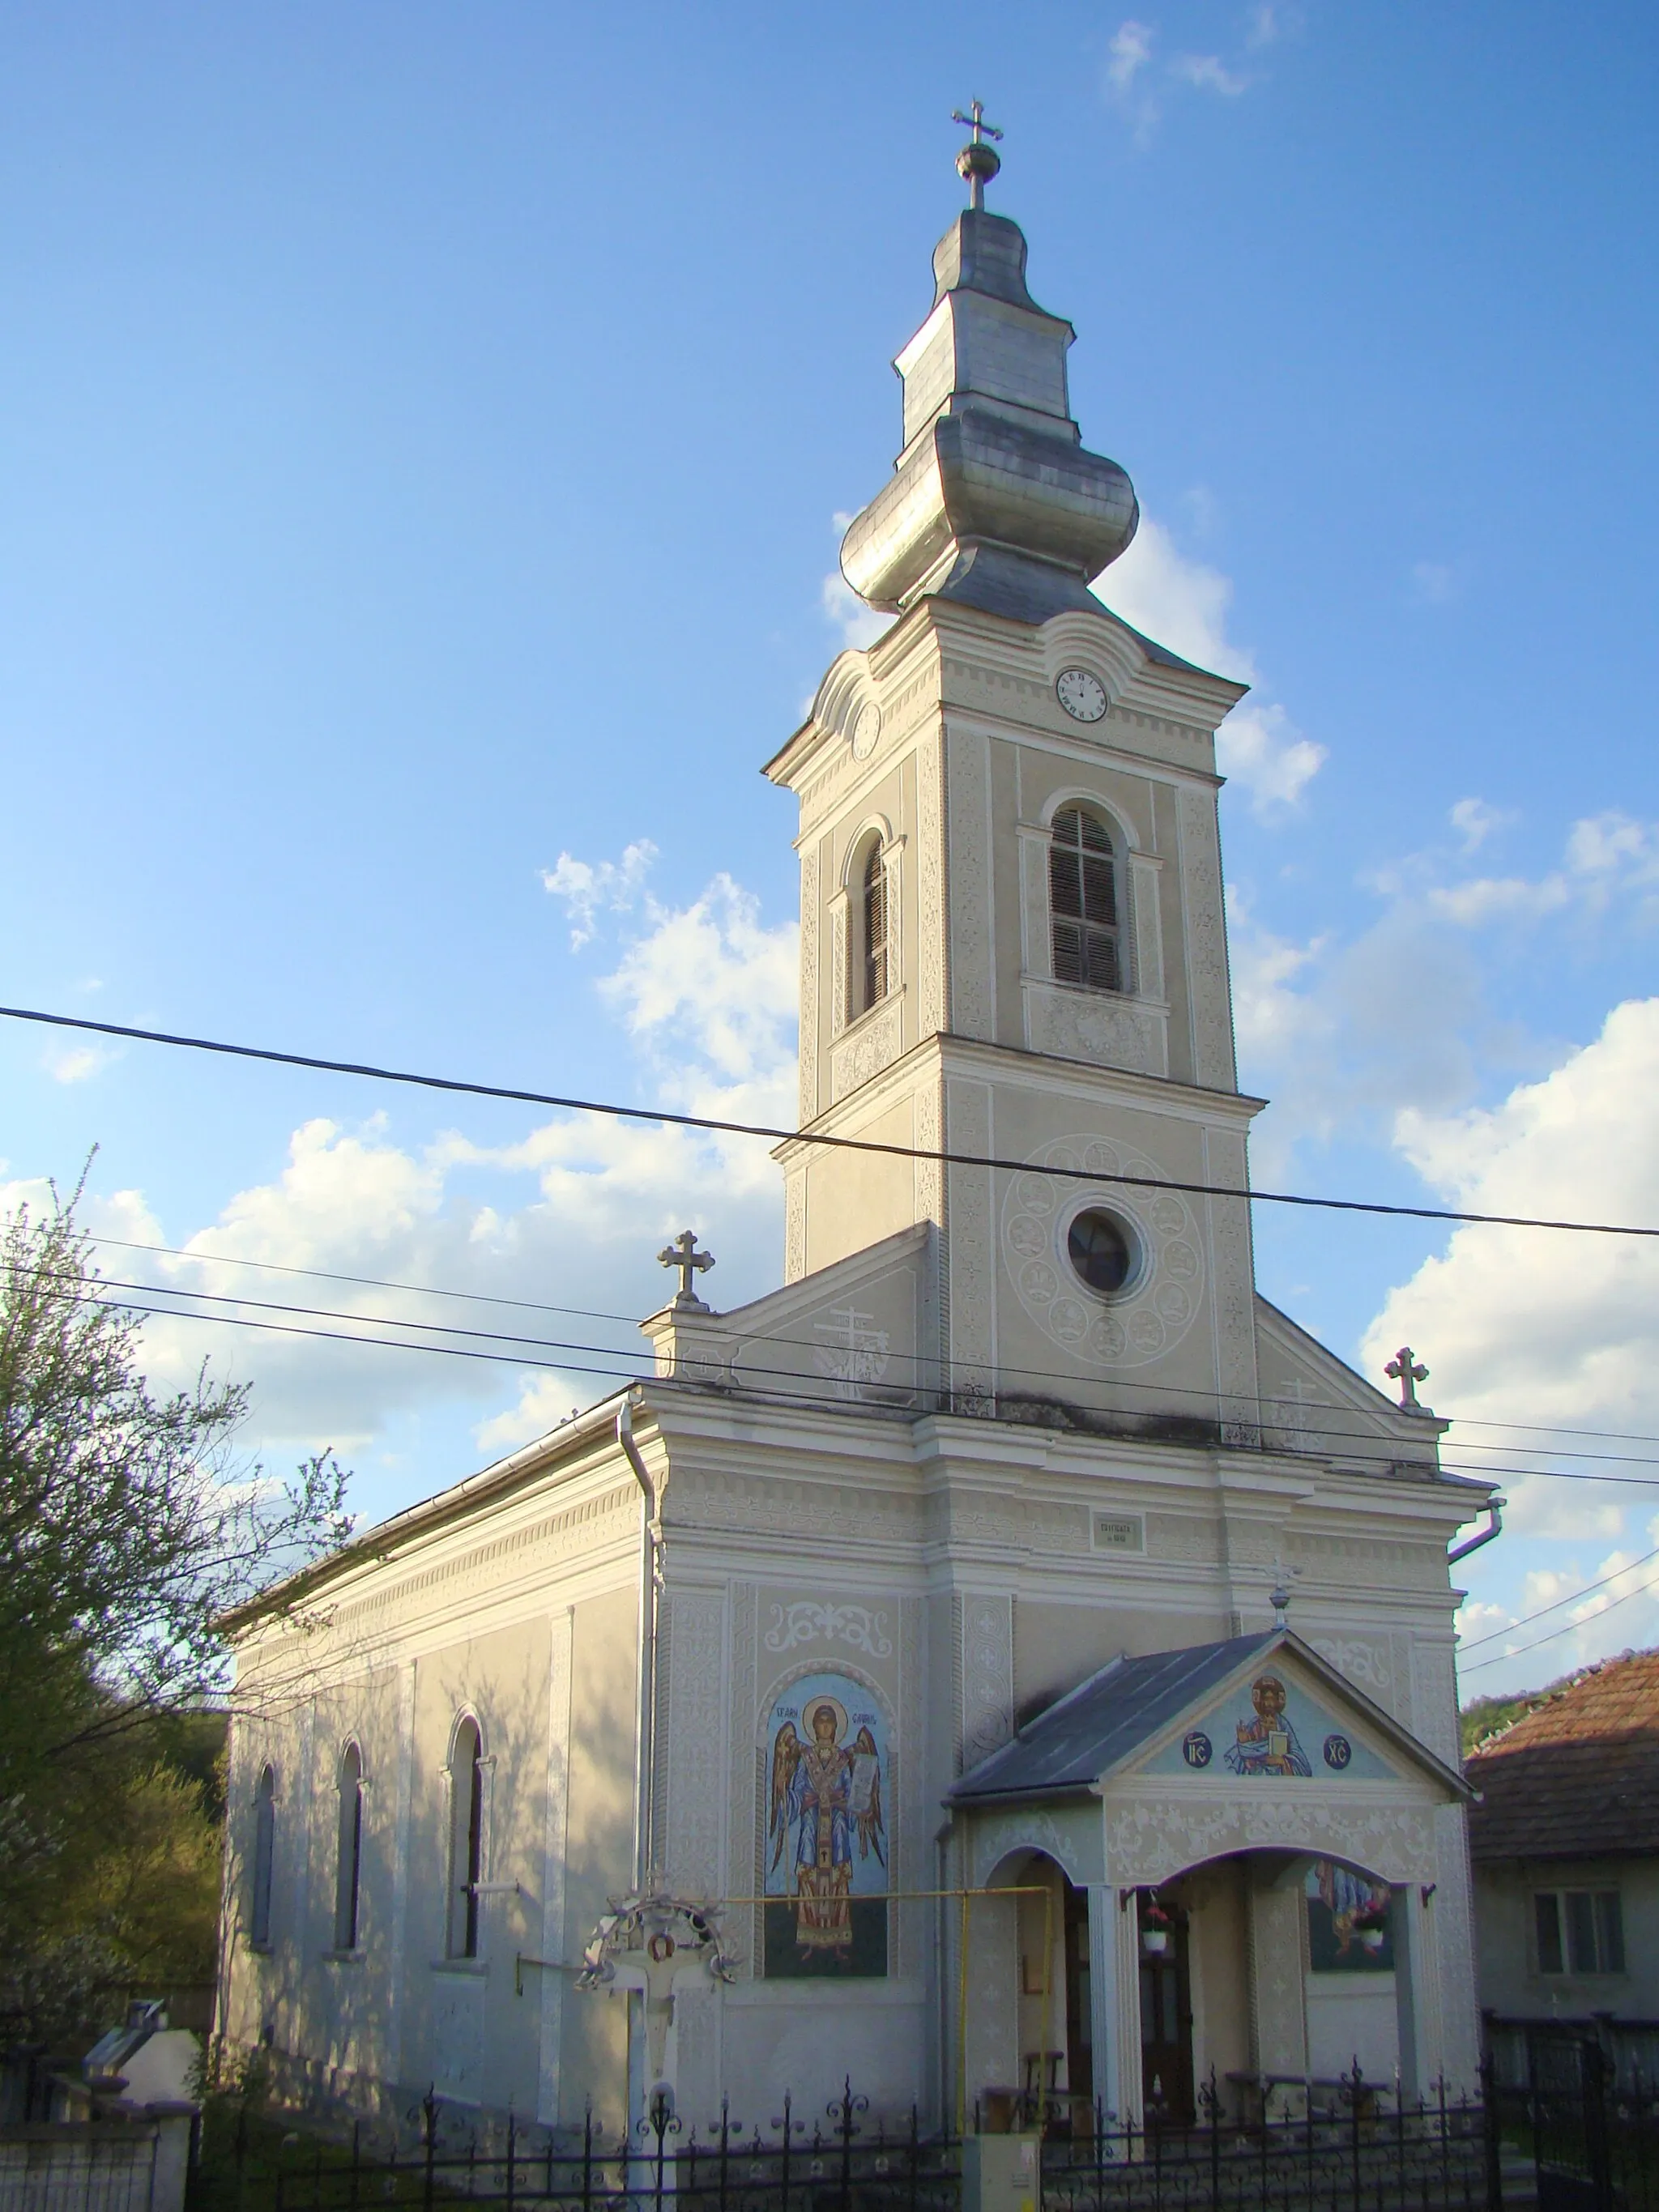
[(1407, 1371), (684, 1255), (978, 164)]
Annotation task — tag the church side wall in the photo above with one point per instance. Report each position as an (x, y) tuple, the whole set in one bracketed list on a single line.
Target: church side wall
[(600, 1842), (553, 1693)]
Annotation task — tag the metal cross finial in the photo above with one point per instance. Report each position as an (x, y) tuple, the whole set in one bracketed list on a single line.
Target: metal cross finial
[(1407, 1371), (978, 164), (1281, 1599), (683, 1253)]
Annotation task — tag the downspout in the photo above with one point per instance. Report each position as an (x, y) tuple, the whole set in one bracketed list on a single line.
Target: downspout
[(1495, 1508), (650, 1596), (941, 1954)]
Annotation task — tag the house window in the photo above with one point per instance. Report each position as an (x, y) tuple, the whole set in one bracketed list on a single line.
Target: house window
[(349, 1855), (873, 916), (465, 1840), (264, 1851), (1083, 902), (1579, 1931)]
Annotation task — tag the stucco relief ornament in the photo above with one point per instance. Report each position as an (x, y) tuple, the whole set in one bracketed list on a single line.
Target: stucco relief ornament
[(1152, 1313), (808, 1621)]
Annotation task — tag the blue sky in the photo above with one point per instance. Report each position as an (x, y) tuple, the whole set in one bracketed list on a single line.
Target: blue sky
[(420, 436)]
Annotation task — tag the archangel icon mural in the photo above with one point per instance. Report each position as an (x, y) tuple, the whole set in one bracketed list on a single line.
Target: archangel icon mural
[(826, 1839)]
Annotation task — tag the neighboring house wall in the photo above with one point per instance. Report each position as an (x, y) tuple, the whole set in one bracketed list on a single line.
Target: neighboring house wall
[(1513, 1984)]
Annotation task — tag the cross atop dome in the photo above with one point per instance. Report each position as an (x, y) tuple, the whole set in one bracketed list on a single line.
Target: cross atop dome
[(978, 164), (995, 500)]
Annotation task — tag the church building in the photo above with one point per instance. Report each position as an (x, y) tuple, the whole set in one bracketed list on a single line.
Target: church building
[(1012, 1655)]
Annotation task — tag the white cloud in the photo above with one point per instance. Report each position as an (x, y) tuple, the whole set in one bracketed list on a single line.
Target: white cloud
[(79, 1064), (589, 888), (1612, 848), (1498, 898), (1540, 1326), (1262, 748), (1208, 73), (1269, 1017), (859, 625), (1475, 822), (1608, 857), (1268, 23), (572, 1212), (713, 971), (1130, 51), (1184, 604)]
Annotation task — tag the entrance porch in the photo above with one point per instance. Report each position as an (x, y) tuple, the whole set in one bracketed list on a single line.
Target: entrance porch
[(1225, 1868)]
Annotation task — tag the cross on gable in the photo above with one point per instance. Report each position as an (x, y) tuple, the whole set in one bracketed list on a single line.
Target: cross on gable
[(1407, 1371), (684, 1255)]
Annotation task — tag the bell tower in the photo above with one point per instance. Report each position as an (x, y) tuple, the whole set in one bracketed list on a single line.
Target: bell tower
[(1013, 936)]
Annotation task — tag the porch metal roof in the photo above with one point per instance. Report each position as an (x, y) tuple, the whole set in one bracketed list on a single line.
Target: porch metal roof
[(1105, 1718)]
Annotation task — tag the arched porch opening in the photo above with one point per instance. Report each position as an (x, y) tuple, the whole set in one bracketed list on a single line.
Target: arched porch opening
[(1028, 2038), (1269, 1973)]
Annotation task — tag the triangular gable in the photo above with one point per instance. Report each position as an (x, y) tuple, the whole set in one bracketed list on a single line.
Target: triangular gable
[(1143, 1717), (1313, 1402), (1284, 1718), (1271, 1725), (858, 1331)]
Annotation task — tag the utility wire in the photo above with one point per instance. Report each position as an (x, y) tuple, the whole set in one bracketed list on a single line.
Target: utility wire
[(1347, 1438), (596, 1313), (1566, 1629), (629, 1369), (1527, 1618), (660, 1115)]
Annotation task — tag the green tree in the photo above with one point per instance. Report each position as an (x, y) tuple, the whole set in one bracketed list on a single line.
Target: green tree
[(128, 1527)]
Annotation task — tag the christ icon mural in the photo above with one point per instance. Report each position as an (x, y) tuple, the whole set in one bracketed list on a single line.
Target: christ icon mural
[(1267, 1744), (826, 1835)]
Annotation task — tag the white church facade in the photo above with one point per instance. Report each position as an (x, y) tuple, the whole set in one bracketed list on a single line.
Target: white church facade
[(894, 1684)]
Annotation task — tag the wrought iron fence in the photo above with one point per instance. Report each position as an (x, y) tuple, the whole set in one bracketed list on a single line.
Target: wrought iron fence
[(71, 2166), (1347, 2147), (1589, 2125), (834, 2163)]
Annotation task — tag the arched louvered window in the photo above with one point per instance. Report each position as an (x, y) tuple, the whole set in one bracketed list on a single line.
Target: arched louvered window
[(875, 928), (465, 1840), (349, 1858), (264, 1853), (1083, 902)]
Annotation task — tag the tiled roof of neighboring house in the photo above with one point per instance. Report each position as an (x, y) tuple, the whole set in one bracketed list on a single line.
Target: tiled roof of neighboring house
[(1579, 1776)]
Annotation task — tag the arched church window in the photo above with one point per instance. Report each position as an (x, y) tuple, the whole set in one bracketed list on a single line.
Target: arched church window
[(1083, 902), (875, 928), (465, 1840), (349, 1855), (265, 1852)]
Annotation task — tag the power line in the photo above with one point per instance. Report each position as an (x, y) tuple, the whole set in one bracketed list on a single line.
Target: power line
[(660, 1115), (1347, 1438), (1566, 1629), (1527, 1618), (1354, 1446), (1043, 1374), (364, 1282)]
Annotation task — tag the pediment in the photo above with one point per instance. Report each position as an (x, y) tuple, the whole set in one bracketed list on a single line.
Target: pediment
[(858, 1331), (1255, 1716)]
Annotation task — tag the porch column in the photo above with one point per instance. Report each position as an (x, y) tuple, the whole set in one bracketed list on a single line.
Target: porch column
[(1278, 1974), (1417, 1989), (1115, 1989), (1104, 1936)]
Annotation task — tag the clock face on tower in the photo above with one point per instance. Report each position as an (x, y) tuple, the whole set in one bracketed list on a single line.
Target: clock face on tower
[(1082, 695)]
